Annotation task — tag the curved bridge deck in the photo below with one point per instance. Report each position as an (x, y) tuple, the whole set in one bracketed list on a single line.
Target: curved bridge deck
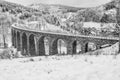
[(63, 34)]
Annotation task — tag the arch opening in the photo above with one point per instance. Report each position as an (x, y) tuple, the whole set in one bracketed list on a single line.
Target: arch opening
[(12, 37), (90, 46), (18, 41), (15, 38), (76, 46), (43, 46), (32, 47), (59, 47), (62, 48), (24, 44)]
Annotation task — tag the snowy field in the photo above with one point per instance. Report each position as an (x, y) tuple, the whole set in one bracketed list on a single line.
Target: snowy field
[(77, 67), (69, 67)]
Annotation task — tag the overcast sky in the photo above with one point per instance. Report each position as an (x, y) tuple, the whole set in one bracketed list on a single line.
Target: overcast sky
[(75, 3)]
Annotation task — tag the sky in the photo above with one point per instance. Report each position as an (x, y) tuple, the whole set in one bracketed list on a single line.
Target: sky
[(74, 3)]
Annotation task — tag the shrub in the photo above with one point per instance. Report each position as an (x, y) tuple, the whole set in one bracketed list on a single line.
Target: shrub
[(17, 54), (31, 59), (9, 53), (5, 54)]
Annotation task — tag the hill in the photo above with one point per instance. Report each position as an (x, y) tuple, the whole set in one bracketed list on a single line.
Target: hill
[(18, 10), (14, 8), (103, 13), (52, 8)]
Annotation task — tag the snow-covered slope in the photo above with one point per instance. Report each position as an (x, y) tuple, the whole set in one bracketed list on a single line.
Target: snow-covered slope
[(112, 50)]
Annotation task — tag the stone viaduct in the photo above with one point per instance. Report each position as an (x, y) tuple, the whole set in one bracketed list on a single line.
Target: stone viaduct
[(31, 42)]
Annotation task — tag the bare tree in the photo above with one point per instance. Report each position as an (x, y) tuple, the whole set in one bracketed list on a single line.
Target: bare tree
[(5, 22)]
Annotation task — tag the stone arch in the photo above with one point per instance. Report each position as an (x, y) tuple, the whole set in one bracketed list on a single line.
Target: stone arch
[(90, 46), (76, 47), (18, 41), (32, 49), (57, 46), (43, 45), (24, 44)]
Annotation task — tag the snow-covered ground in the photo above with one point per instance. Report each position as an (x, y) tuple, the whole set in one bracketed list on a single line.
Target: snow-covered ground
[(62, 68), (69, 67)]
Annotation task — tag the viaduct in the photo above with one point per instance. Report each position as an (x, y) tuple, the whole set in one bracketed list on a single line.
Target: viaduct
[(31, 42)]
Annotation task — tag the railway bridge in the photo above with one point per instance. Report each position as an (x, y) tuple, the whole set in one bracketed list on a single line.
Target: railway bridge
[(31, 42)]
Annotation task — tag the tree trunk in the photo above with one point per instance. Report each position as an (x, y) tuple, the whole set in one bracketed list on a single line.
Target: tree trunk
[(4, 41)]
